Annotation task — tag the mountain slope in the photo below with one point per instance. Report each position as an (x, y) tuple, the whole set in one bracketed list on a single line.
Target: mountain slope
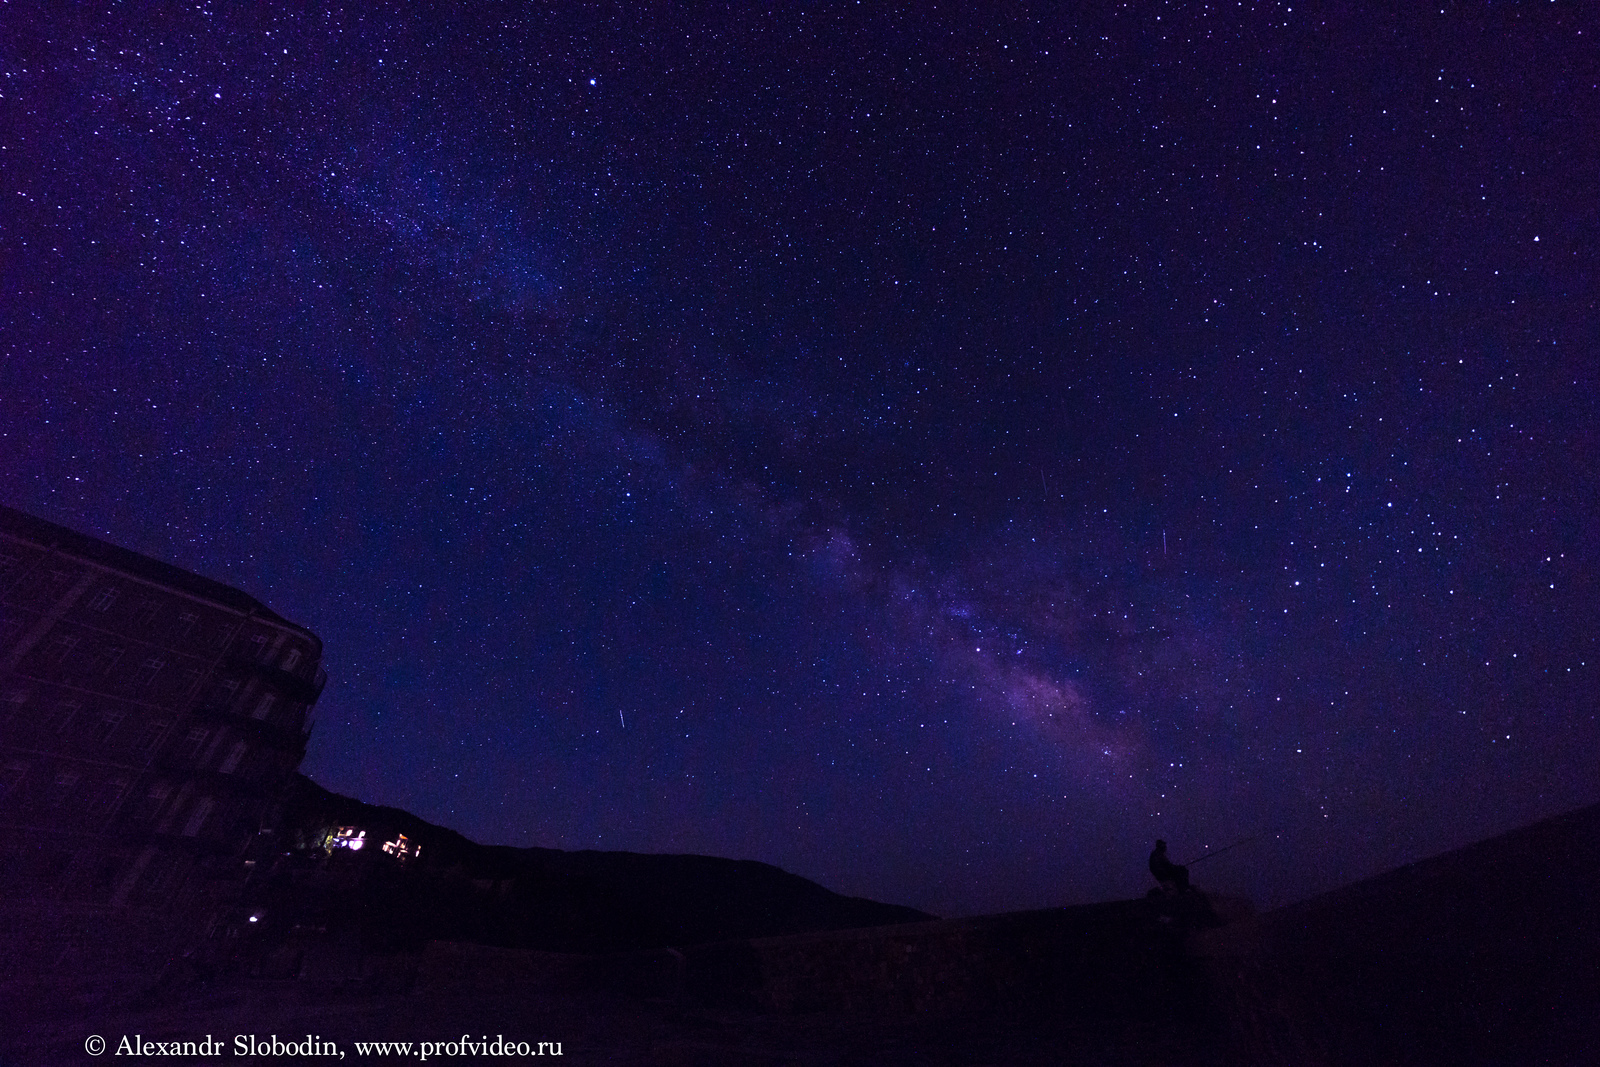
[(542, 898)]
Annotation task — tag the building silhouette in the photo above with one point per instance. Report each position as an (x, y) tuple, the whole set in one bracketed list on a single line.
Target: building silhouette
[(150, 720)]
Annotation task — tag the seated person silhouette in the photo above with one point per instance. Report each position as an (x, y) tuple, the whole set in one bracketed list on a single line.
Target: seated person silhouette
[(1171, 875)]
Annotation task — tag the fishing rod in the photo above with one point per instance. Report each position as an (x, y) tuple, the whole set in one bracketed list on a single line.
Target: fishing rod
[(1236, 844)]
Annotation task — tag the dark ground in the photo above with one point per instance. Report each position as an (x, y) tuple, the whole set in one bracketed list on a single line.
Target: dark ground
[(623, 1031), (1486, 955), (1106, 983)]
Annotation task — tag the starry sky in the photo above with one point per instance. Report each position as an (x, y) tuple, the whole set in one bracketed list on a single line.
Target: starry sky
[(936, 449)]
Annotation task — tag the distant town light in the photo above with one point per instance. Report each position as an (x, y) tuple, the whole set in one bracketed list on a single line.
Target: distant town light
[(349, 837), (401, 848)]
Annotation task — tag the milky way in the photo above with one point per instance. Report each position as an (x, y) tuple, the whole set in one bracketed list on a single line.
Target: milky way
[(934, 451)]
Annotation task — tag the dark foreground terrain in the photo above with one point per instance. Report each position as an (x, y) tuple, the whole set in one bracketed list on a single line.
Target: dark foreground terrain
[(453, 889), (1103, 984), (1489, 954), (623, 1031), (1486, 955)]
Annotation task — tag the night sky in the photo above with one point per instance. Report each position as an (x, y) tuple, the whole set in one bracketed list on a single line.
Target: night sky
[(936, 450)]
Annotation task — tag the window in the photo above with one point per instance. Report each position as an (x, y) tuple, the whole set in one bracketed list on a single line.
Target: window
[(11, 777), (8, 564), (258, 648), (154, 801), (64, 715), (107, 658), (14, 702), (145, 611), (60, 648), (235, 755), (63, 788), (103, 600), (49, 868), (291, 660), (108, 725), (194, 743), (108, 797), (264, 707), (223, 692), (191, 680), (197, 817), (153, 734), (186, 621), (106, 871), (146, 674), (168, 872)]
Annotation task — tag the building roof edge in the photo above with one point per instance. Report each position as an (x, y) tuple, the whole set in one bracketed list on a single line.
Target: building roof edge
[(70, 541)]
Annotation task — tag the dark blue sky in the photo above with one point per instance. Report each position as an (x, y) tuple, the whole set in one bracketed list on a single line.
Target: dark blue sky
[(936, 450)]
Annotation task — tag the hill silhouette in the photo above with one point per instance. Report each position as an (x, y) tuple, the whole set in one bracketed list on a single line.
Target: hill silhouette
[(1488, 953), (585, 901), (1485, 954)]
